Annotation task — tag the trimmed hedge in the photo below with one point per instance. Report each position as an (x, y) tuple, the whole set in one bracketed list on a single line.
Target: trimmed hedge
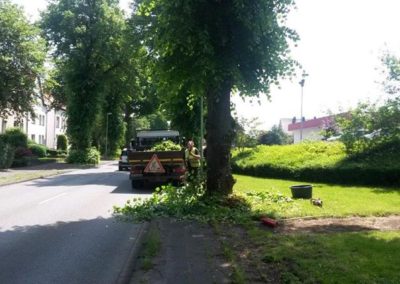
[(89, 156), (56, 153), (38, 150), (321, 162)]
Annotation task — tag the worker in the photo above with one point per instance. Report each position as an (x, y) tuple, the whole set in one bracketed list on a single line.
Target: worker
[(192, 158)]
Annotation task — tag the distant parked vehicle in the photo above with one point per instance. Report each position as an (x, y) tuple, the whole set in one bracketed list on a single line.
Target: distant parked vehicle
[(334, 138), (123, 163)]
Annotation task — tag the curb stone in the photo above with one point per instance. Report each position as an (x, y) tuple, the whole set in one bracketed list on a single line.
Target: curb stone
[(126, 273)]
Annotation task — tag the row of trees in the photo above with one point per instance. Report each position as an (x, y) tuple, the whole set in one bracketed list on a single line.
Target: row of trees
[(165, 57)]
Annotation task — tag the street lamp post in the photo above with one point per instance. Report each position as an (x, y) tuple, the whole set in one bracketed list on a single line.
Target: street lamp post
[(303, 80), (108, 114)]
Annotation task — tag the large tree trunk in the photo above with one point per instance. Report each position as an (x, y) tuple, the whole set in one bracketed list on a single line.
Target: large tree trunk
[(219, 140)]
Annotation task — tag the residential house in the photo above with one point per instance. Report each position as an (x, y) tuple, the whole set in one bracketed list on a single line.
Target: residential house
[(43, 129), (311, 129)]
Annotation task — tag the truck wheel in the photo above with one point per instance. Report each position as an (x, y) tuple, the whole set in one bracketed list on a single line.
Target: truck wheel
[(120, 168), (136, 184)]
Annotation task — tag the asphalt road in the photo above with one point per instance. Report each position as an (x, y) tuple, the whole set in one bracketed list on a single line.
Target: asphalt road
[(60, 229)]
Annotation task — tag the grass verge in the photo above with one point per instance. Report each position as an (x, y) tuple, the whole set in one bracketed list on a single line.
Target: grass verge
[(151, 247), (273, 197), (25, 176), (358, 257)]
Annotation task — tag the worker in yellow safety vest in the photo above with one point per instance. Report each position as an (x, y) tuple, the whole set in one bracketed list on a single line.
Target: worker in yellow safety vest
[(192, 158)]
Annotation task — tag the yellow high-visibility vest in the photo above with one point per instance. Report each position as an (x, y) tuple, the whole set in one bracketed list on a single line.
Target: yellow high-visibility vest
[(191, 158)]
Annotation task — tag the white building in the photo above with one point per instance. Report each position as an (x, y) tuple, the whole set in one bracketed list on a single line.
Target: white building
[(284, 123), (311, 129), (44, 129)]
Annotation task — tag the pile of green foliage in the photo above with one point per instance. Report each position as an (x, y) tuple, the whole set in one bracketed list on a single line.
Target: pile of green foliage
[(167, 145), (89, 156), (187, 202), (322, 162)]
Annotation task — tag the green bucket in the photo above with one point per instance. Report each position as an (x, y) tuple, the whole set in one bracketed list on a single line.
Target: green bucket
[(302, 191)]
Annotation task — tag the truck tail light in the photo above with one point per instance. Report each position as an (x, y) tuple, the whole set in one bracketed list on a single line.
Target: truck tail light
[(179, 170)]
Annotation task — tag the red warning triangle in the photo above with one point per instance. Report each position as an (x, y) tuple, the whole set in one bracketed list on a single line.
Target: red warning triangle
[(154, 166)]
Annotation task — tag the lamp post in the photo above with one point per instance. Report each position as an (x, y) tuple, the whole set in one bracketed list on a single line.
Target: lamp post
[(303, 80), (108, 114)]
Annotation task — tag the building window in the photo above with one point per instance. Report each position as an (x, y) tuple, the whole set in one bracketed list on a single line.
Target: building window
[(33, 137), (33, 120), (63, 123), (57, 122), (41, 120), (42, 140), (3, 126)]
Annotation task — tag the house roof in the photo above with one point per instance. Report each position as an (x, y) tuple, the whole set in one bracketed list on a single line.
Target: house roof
[(312, 123)]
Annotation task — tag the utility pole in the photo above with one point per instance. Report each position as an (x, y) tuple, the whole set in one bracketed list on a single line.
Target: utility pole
[(109, 113), (303, 80)]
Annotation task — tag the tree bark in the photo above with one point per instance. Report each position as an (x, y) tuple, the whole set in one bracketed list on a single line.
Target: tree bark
[(219, 140)]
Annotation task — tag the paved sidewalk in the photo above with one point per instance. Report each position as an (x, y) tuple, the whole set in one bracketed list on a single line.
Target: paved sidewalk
[(190, 253), (21, 174)]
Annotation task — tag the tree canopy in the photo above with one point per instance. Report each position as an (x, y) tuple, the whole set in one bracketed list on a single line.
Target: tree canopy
[(275, 136), (22, 53), (210, 48), (86, 36)]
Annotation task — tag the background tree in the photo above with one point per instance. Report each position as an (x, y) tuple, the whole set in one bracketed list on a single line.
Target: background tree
[(275, 136), (22, 53), (211, 48), (370, 124), (86, 36), (246, 132)]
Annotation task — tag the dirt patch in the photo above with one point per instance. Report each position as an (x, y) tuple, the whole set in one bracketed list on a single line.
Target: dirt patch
[(334, 225)]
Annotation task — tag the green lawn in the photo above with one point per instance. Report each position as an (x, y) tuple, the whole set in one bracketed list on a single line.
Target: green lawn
[(338, 200), (372, 257)]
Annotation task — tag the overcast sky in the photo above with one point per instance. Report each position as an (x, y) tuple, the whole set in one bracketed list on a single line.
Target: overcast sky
[(341, 42)]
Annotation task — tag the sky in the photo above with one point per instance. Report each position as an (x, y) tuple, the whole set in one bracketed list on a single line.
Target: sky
[(341, 42)]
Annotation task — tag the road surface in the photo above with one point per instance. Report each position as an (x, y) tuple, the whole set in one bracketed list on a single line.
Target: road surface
[(60, 229)]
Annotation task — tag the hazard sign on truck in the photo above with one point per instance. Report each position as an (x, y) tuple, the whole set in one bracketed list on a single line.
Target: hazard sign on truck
[(154, 166)]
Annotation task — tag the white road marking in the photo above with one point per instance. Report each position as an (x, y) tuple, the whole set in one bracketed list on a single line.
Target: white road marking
[(47, 200)]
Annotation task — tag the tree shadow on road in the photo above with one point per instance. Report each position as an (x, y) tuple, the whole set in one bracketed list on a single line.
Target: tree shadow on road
[(84, 251)]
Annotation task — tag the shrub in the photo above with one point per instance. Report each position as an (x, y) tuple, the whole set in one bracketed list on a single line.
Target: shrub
[(22, 157), (52, 153), (6, 153), (62, 143), (38, 150), (16, 138), (88, 156), (167, 145)]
